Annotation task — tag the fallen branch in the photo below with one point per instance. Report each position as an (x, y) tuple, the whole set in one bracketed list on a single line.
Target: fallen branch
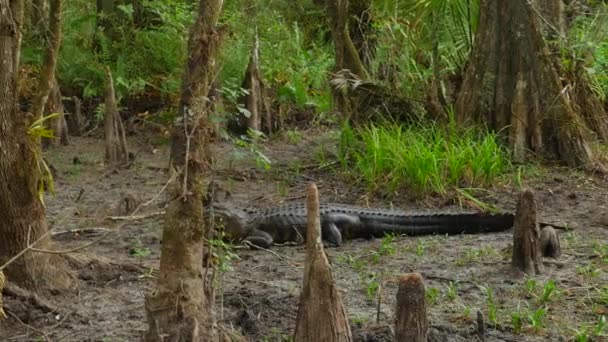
[(81, 231), (73, 249), (136, 217)]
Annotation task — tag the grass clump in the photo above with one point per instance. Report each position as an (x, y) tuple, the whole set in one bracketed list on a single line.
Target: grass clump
[(424, 159)]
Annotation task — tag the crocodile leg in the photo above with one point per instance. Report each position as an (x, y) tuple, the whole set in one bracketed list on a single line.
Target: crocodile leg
[(332, 221), (331, 233), (260, 238)]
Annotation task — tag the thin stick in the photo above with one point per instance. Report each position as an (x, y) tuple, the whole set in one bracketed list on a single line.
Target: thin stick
[(80, 231), (73, 249), (11, 260), (249, 244), (173, 176), (28, 326)]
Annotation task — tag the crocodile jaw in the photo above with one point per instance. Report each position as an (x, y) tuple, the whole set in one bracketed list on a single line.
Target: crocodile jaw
[(233, 221)]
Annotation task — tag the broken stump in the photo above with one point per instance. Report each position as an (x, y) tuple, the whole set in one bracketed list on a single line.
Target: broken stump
[(321, 313), (527, 255), (411, 323)]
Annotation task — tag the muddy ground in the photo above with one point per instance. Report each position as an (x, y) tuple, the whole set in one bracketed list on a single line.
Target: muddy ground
[(260, 293)]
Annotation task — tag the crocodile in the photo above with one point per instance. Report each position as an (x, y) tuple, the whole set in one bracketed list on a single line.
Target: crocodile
[(288, 222)]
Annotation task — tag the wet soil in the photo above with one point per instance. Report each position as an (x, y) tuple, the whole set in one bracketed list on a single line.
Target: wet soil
[(463, 274)]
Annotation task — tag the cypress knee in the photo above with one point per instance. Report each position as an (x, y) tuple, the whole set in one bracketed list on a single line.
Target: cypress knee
[(411, 323), (526, 236), (321, 315)]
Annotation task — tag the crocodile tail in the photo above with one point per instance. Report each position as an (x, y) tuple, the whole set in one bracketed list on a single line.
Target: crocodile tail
[(452, 224)]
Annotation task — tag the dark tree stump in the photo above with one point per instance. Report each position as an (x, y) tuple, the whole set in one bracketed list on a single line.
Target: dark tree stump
[(411, 323), (321, 314), (527, 255), (549, 243), (75, 120)]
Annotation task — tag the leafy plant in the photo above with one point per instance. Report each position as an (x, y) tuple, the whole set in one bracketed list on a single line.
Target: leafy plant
[(491, 304), (517, 321), (432, 295), (537, 317), (425, 159), (549, 289), (372, 285), (452, 291)]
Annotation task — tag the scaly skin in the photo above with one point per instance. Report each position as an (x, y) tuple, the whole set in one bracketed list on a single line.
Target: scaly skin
[(287, 223)]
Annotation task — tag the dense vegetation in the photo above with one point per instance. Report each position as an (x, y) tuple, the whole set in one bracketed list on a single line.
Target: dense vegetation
[(420, 47)]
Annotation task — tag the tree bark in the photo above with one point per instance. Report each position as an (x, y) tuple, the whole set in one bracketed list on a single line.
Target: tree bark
[(411, 323), (527, 255), (58, 125), (346, 56), (552, 12), (22, 213), (321, 314), (75, 120), (361, 30), (17, 12), (181, 307), (512, 85), (117, 152), (255, 100), (47, 73)]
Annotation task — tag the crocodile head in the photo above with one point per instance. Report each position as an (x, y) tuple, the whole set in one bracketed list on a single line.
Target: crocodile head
[(232, 220)]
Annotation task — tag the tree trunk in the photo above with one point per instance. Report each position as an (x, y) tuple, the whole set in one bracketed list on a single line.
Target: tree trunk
[(361, 28), (321, 314), (22, 213), (47, 73), (17, 12), (58, 125), (552, 12), (255, 100), (526, 236), (75, 120), (181, 307), (117, 152), (347, 56), (512, 86), (411, 322)]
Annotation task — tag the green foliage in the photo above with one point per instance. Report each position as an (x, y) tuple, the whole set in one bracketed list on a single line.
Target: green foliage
[(423, 159), (294, 65), (452, 291), (386, 248), (588, 43), (549, 290), (372, 287), (587, 333), (35, 131), (517, 320), (491, 304), (432, 295), (141, 58), (408, 33)]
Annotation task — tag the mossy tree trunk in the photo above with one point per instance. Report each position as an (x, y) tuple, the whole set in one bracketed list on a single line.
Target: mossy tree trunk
[(348, 62), (361, 28), (180, 308), (22, 213), (512, 85)]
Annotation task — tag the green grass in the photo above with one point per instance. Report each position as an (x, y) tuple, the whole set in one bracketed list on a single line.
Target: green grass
[(422, 159)]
